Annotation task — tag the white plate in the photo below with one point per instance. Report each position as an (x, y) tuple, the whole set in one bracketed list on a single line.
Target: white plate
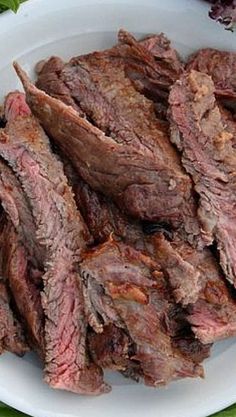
[(67, 28)]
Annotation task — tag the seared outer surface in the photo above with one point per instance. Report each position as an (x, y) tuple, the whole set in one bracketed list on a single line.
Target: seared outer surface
[(209, 156)]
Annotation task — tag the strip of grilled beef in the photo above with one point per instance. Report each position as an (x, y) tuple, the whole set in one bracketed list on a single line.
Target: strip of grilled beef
[(131, 367), (209, 156), (213, 336), (50, 81), (17, 207), (213, 316), (26, 294), (221, 66), (98, 84), (11, 332), (160, 47), (114, 348), (12, 336), (140, 183), (184, 278), (209, 304), (172, 262), (23, 256), (61, 232), (151, 64), (132, 289), (194, 276), (105, 219)]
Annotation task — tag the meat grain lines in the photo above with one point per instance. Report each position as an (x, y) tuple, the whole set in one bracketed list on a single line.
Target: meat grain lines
[(109, 261)]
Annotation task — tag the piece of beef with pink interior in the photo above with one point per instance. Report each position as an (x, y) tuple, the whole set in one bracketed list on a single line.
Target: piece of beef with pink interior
[(209, 157), (127, 289), (194, 277), (62, 233), (105, 219), (16, 205), (12, 337), (17, 273), (98, 83), (185, 370), (190, 273), (212, 310), (213, 316), (141, 183), (23, 256)]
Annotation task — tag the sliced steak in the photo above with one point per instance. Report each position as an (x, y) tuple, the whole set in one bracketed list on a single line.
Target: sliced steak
[(221, 66), (17, 207), (98, 83), (12, 336), (62, 233), (11, 333), (49, 80), (213, 316), (184, 278), (133, 285), (140, 183), (22, 255), (208, 155), (15, 105), (105, 219), (152, 65), (16, 271), (160, 47), (190, 273)]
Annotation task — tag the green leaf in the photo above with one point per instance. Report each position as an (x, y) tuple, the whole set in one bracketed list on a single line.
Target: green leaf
[(9, 412), (10, 4), (229, 412)]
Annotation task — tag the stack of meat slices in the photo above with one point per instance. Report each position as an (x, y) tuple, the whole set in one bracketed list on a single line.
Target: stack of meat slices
[(107, 229)]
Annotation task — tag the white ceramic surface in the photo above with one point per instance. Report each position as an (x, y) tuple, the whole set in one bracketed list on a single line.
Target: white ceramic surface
[(67, 28)]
